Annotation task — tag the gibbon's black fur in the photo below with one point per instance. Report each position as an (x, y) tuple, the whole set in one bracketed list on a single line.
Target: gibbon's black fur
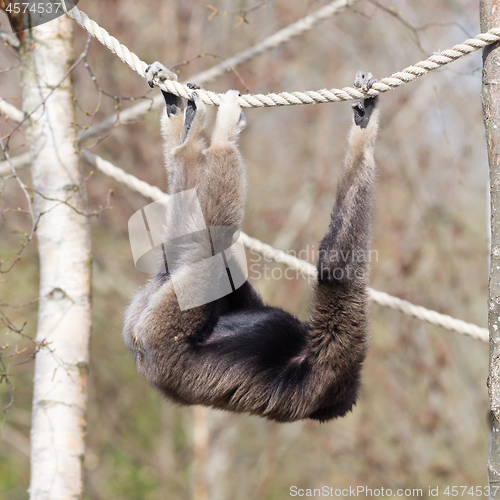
[(236, 353)]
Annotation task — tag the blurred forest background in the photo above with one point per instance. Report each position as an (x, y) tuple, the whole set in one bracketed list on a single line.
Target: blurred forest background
[(422, 417)]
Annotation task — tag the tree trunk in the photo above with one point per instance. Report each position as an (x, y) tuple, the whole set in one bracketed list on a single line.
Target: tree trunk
[(490, 17), (64, 318), (201, 440)]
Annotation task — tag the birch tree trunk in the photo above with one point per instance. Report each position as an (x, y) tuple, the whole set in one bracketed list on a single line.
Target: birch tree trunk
[(490, 17), (64, 318), (201, 440)]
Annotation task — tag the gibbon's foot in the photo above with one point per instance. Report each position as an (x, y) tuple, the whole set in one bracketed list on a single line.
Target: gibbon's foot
[(190, 110), (231, 111), (194, 116), (243, 121), (364, 108), (157, 70), (230, 119)]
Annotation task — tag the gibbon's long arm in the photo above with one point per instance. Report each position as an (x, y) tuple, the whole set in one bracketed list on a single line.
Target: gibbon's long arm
[(236, 353)]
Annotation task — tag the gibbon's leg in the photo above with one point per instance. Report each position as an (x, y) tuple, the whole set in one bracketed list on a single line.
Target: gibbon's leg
[(158, 334), (153, 320), (182, 145), (185, 161), (223, 190), (172, 121)]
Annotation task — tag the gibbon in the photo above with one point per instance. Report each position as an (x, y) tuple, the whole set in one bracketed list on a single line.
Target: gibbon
[(237, 353)]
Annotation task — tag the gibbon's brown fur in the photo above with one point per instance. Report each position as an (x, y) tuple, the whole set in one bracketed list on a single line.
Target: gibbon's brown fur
[(236, 353)]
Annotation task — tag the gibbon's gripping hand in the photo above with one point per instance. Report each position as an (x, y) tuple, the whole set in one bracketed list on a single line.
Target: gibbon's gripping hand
[(157, 70), (364, 108)]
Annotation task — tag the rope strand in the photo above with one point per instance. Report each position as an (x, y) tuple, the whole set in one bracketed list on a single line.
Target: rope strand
[(303, 267), (210, 98), (282, 99)]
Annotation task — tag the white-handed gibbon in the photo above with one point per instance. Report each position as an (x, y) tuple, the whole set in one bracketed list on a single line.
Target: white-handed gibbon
[(237, 353)]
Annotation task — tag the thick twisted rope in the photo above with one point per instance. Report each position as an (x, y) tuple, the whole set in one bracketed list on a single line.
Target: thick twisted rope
[(265, 250), (433, 317), (273, 41), (141, 109), (290, 98), (269, 43), (303, 268)]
